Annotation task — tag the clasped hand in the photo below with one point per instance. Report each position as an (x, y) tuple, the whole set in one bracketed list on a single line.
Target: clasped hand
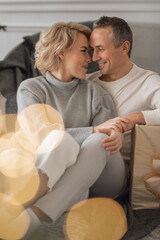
[(113, 128), (122, 124), (113, 140)]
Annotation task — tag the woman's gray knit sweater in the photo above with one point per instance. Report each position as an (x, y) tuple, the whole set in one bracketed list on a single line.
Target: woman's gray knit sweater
[(81, 103)]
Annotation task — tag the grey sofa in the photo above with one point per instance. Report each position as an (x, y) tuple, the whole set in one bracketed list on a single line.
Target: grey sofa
[(146, 50), (18, 65)]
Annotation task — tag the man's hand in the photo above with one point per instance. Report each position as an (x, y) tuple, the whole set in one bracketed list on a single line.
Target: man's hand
[(123, 124), (129, 121), (113, 142), (135, 118), (118, 123)]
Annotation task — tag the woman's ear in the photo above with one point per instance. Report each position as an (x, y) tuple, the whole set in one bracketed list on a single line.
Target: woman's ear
[(61, 54)]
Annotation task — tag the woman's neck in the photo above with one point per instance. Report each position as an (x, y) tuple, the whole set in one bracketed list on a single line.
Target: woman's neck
[(61, 75)]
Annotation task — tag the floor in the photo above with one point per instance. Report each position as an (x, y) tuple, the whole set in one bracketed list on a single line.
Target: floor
[(154, 235), (55, 232)]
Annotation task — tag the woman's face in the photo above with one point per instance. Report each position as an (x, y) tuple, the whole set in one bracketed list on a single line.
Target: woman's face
[(76, 59)]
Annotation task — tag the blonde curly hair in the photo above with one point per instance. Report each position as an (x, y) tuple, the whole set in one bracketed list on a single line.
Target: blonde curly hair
[(56, 38)]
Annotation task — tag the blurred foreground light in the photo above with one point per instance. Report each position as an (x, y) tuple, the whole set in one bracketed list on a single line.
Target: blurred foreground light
[(96, 219), (22, 188), (8, 126), (11, 123), (15, 162), (1, 121), (52, 141), (38, 120), (4, 144), (14, 220)]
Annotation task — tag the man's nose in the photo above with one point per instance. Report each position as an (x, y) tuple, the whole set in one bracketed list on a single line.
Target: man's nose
[(95, 56)]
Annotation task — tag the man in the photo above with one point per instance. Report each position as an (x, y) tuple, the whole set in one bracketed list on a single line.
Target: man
[(135, 91)]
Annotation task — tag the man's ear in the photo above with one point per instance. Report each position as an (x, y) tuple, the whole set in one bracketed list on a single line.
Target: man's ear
[(126, 47)]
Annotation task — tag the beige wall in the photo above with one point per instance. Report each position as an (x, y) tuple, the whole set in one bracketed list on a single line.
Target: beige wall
[(24, 17)]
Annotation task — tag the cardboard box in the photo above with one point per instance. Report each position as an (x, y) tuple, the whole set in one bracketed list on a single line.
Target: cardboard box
[(145, 167)]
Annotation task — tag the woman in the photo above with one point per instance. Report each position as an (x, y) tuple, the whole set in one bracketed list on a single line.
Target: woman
[(84, 153)]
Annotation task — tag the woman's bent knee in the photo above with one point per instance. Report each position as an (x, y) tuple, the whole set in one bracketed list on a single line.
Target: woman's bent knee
[(95, 139), (94, 152)]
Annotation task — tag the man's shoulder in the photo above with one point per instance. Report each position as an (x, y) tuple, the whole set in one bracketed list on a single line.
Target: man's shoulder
[(145, 72)]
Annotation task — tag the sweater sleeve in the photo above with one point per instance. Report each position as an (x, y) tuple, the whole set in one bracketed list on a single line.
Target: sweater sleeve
[(152, 93), (33, 115), (103, 109)]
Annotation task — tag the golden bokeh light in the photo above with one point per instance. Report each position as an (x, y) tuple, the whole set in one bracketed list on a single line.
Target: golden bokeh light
[(38, 120), (19, 140), (4, 144), (11, 123), (15, 162), (39, 127), (1, 121), (96, 219), (8, 126), (22, 188), (51, 141), (14, 220)]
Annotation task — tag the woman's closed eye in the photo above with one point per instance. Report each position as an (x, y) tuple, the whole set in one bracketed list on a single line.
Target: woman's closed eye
[(84, 50)]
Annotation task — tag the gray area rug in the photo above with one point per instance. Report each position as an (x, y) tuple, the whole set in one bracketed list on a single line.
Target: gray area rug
[(142, 225), (155, 234)]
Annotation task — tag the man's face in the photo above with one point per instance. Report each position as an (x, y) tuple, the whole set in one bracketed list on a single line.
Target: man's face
[(108, 57)]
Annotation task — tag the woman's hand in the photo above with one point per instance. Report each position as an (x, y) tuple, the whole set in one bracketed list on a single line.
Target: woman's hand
[(113, 142), (114, 127)]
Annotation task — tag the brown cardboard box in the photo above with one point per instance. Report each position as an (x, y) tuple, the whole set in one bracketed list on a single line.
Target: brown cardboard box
[(145, 167)]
